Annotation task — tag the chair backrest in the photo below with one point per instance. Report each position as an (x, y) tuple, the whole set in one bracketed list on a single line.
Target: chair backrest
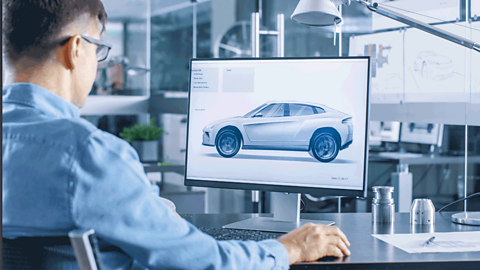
[(32, 253), (85, 245), (78, 251)]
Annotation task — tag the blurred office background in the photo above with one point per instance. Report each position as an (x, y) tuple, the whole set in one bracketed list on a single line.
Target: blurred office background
[(420, 84)]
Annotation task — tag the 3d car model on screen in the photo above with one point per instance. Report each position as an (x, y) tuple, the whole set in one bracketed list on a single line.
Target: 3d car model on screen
[(432, 66), (294, 126)]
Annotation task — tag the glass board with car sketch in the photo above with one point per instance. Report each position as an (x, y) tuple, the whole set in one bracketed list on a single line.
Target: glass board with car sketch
[(475, 62), (435, 68), (285, 125), (386, 52)]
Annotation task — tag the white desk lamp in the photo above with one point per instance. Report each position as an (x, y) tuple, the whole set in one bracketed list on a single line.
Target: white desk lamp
[(325, 12)]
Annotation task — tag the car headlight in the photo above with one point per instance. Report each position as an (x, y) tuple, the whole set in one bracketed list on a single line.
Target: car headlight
[(210, 126), (347, 121)]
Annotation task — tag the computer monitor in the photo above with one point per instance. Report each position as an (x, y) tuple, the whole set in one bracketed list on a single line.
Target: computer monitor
[(390, 131), (422, 133), (285, 125), (383, 131), (374, 138)]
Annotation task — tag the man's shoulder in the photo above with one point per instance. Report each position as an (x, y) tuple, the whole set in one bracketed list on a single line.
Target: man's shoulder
[(79, 133), (89, 133)]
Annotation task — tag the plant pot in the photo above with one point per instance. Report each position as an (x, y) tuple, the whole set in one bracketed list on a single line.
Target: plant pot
[(147, 150)]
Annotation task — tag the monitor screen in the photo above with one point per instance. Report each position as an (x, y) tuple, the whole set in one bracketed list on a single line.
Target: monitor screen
[(286, 125), (422, 133)]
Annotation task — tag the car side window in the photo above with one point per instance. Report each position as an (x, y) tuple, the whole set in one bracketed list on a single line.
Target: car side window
[(295, 109), (306, 110), (280, 111), (265, 111), (318, 110)]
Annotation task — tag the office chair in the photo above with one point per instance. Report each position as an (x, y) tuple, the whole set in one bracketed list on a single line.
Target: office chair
[(85, 245), (52, 253)]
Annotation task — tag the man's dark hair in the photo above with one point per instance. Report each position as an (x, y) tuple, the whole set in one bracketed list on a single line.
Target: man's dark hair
[(31, 27)]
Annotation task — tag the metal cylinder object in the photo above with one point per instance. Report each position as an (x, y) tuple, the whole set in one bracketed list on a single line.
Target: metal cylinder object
[(422, 211), (383, 206), (422, 228), (383, 228)]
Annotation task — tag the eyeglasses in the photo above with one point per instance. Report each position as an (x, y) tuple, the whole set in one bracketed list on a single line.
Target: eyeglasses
[(102, 48)]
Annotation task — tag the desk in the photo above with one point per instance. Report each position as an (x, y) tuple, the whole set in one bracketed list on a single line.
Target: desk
[(402, 179), (367, 251), (153, 167)]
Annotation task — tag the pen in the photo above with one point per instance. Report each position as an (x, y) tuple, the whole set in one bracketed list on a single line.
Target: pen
[(430, 240)]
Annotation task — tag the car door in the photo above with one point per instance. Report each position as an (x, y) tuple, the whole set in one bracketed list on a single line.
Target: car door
[(274, 129), (297, 131), (262, 126)]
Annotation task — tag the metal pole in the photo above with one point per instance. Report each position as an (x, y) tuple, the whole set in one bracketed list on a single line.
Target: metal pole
[(421, 25), (465, 176), (280, 35), (340, 36), (339, 210), (255, 34), (260, 8), (255, 201), (149, 47), (194, 42)]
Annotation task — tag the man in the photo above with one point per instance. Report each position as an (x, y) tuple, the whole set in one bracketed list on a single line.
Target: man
[(61, 173)]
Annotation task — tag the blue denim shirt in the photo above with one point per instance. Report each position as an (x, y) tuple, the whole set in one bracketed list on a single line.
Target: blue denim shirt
[(61, 173)]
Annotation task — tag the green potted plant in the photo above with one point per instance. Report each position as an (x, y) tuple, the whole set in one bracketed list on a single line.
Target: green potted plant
[(144, 138)]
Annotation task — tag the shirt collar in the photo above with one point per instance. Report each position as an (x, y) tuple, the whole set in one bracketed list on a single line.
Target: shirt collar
[(38, 97)]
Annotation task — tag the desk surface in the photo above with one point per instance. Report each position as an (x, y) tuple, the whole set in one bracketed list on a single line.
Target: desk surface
[(422, 159), (153, 167), (367, 251)]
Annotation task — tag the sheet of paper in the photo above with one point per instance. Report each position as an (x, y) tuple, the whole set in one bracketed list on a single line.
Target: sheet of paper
[(444, 242)]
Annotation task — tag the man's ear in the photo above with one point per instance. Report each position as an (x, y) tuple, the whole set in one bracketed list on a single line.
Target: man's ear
[(72, 51)]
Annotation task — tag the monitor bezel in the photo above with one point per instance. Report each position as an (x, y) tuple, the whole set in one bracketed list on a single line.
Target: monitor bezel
[(283, 188)]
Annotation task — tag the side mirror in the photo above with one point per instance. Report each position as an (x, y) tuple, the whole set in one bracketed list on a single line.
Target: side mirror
[(258, 115)]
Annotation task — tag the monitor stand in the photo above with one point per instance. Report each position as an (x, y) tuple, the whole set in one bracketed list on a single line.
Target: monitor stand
[(286, 216)]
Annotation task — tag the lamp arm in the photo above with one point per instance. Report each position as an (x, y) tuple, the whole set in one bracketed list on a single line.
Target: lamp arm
[(420, 25)]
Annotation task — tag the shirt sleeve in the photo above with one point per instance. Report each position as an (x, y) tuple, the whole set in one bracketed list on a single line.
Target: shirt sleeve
[(112, 195)]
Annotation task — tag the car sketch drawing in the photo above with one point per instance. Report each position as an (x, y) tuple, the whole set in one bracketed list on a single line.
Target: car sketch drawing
[(293, 126), (432, 66)]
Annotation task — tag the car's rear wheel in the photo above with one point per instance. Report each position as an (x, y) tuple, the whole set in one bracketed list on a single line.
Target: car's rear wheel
[(228, 143), (324, 147)]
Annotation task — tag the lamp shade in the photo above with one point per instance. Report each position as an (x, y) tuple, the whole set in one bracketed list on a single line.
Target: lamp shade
[(316, 13)]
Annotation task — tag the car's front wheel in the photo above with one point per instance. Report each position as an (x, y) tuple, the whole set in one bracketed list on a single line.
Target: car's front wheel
[(228, 143), (324, 147)]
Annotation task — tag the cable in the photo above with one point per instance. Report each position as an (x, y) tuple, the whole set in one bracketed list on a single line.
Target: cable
[(461, 200), (471, 28)]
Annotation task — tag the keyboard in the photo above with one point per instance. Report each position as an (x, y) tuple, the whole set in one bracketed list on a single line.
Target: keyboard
[(232, 234)]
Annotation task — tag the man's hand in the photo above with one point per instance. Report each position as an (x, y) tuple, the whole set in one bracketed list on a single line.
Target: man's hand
[(311, 242)]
